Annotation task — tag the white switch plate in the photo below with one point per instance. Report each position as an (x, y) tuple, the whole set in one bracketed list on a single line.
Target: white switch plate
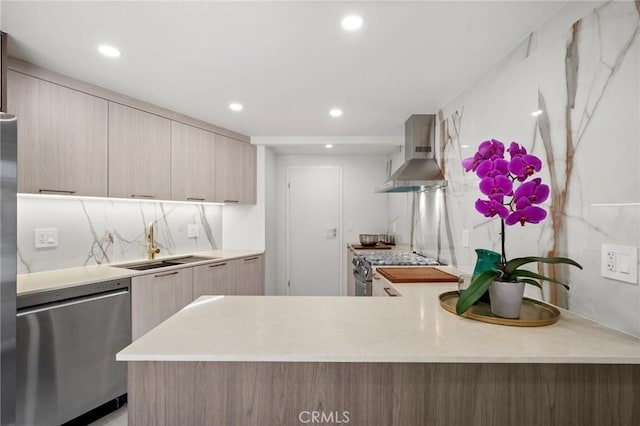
[(465, 238), (46, 237), (192, 231), (619, 263)]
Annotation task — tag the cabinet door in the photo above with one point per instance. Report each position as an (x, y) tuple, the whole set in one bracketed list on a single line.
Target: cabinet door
[(251, 276), (229, 169), (193, 154), (381, 287), (62, 138), (218, 278), (249, 174), (139, 154), (156, 297)]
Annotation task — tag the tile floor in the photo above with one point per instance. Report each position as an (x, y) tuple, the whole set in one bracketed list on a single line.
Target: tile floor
[(116, 418)]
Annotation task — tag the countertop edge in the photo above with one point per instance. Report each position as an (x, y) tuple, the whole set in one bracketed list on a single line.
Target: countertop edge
[(113, 272)]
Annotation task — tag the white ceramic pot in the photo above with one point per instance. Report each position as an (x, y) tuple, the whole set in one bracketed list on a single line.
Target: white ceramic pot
[(506, 298)]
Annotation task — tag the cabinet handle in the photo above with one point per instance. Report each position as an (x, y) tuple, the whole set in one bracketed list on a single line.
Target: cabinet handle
[(215, 266), (231, 201), (250, 258), (166, 274), (386, 289), (142, 196), (56, 191), (375, 277), (194, 199)]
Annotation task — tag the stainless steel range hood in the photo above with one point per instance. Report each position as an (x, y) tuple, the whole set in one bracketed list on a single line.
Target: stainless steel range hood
[(420, 170)]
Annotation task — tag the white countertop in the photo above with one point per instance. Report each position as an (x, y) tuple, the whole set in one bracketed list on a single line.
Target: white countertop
[(411, 328), (61, 278)]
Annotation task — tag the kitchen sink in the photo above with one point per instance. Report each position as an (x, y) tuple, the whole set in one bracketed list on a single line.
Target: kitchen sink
[(155, 264)]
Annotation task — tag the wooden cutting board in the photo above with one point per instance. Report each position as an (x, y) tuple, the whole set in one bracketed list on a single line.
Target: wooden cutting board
[(420, 274)]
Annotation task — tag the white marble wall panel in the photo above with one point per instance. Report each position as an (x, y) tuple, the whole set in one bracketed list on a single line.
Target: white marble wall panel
[(98, 231), (586, 81)]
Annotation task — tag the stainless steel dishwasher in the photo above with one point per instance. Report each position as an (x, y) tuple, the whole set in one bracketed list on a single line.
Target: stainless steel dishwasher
[(67, 342)]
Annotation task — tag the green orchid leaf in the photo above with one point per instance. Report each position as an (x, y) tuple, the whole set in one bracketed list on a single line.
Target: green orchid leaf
[(514, 264), (532, 282), (479, 285), (529, 274)]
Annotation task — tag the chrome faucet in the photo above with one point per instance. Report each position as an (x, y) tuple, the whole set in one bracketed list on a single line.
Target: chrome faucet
[(152, 249)]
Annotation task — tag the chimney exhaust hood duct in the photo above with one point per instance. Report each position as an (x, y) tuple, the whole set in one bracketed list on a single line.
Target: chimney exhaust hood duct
[(420, 170)]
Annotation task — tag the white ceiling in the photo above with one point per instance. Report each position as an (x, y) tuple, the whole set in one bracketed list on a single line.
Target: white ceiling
[(287, 62)]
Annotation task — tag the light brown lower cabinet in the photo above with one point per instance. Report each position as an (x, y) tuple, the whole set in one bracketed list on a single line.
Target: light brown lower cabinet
[(380, 287), (215, 279), (156, 297), (251, 276)]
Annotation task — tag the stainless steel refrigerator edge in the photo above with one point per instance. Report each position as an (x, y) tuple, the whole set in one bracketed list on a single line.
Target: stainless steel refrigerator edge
[(8, 206)]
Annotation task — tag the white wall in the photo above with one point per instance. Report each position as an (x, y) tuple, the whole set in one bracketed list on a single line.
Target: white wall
[(271, 216), (364, 211), (603, 128)]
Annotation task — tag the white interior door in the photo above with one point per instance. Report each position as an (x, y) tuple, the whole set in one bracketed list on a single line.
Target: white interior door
[(314, 216)]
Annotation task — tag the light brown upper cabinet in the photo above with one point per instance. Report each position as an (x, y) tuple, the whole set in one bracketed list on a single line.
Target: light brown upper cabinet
[(193, 166), (139, 154), (235, 171), (62, 137), (229, 170), (249, 174)]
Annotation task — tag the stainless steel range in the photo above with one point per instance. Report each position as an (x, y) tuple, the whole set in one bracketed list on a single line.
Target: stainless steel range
[(363, 266)]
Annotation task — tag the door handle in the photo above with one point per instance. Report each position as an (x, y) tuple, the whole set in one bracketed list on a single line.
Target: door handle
[(166, 274), (386, 289)]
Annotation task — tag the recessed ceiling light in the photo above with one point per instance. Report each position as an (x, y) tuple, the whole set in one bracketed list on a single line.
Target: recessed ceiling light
[(235, 106), (328, 146), (336, 112), (109, 51), (352, 22), (536, 113), (465, 146)]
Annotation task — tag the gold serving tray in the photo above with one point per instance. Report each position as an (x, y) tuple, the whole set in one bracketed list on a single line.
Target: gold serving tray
[(533, 313)]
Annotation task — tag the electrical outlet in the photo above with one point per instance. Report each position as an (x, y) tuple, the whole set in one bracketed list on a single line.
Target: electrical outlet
[(611, 261), (619, 263), (46, 237), (192, 231)]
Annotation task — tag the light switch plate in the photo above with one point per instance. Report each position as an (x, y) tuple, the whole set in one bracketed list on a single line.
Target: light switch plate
[(192, 231), (46, 237), (619, 263), (465, 238)]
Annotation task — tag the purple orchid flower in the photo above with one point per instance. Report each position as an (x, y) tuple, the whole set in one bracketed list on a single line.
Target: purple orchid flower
[(472, 163), (516, 150), (493, 168), (491, 208), (496, 188), (532, 192), (523, 166), (488, 150), (530, 214)]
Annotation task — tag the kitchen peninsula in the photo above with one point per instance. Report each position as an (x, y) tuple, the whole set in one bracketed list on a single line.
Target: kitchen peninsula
[(384, 361)]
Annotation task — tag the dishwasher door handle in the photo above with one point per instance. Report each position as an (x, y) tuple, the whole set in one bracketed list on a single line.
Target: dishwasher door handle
[(29, 311)]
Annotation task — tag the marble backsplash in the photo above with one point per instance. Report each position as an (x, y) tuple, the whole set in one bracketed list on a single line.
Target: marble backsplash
[(100, 231), (585, 81)]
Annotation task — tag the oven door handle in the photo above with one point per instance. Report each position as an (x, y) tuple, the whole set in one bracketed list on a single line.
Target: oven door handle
[(358, 276)]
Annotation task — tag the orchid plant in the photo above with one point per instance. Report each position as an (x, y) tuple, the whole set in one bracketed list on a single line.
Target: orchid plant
[(513, 194)]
